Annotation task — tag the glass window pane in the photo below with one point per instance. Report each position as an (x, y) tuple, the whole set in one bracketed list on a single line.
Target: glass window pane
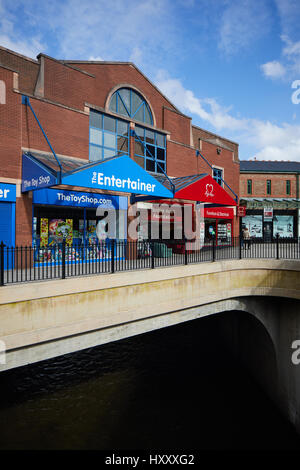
[(150, 165), (136, 102), (160, 167), (140, 132), (107, 153), (139, 148), (139, 115), (109, 124), (123, 144), (113, 103), (122, 127), (125, 95), (121, 108), (150, 137), (150, 151), (160, 154), (95, 119), (139, 160), (148, 117), (160, 140), (95, 136), (109, 140), (95, 153)]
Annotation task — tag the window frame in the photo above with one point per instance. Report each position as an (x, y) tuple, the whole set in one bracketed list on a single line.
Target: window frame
[(269, 187), (146, 150), (217, 168), (131, 113), (249, 185), (106, 132)]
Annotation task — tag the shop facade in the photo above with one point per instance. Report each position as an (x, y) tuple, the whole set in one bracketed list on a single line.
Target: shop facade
[(268, 219), (112, 137), (269, 192)]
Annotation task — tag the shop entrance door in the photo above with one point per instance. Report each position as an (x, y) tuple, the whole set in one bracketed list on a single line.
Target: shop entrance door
[(268, 231)]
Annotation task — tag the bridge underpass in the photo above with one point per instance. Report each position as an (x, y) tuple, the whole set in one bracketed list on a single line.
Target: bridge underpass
[(42, 320)]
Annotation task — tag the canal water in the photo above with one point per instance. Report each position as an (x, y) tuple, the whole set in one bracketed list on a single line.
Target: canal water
[(176, 388)]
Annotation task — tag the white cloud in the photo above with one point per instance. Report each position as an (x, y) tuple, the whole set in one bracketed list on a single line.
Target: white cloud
[(270, 141), (243, 23), (289, 17), (11, 38), (207, 109), (96, 59), (273, 69), (28, 48)]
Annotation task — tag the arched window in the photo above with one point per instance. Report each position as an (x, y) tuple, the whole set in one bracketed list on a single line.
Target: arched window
[(129, 103)]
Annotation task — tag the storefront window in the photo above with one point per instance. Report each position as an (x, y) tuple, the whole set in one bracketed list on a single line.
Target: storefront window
[(51, 225), (224, 233), (254, 223), (108, 136), (150, 150), (283, 225)]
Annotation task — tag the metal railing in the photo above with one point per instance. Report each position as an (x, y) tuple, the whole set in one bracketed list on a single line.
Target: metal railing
[(27, 263)]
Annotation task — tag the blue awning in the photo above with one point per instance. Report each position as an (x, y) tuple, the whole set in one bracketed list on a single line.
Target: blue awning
[(119, 173)]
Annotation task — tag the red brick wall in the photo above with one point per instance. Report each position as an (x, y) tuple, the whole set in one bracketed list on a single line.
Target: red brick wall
[(67, 86), (10, 125), (27, 69), (67, 131), (181, 160), (259, 185), (178, 125), (24, 220)]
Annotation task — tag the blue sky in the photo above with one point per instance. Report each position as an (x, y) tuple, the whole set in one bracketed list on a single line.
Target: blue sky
[(229, 64)]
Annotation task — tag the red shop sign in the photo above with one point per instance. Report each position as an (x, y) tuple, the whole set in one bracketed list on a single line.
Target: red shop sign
[(219, 213), (241, 211)]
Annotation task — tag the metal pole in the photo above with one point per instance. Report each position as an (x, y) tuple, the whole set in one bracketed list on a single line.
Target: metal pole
[(277, 245), (185, 252), (213, 249), (63, 259), (112, 255), (240, 245)]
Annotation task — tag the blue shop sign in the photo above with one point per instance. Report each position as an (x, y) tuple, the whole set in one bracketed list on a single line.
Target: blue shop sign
[(34, 175), (7, 192), (60, 197), (118, 174)]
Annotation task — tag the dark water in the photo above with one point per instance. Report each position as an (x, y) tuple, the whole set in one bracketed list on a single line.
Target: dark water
[(175, 388)]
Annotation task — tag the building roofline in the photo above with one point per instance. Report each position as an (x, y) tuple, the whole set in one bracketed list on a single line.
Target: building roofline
[(130, 64), (216, 135), (19, 55)]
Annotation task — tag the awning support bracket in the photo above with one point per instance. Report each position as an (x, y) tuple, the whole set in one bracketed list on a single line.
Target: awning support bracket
[(26, 101), (206, 161), (134, 134)]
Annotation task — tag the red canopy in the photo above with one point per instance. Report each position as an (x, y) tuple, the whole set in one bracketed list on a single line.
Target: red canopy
[(205, 189)]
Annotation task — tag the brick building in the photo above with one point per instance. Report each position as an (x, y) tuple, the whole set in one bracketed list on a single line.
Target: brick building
[(270, 192), (61, 122)]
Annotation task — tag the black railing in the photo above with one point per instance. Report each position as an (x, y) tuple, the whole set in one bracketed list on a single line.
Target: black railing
[(27, 263)]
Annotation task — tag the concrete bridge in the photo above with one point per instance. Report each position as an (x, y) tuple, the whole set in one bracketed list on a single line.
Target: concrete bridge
[(42, 320)]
